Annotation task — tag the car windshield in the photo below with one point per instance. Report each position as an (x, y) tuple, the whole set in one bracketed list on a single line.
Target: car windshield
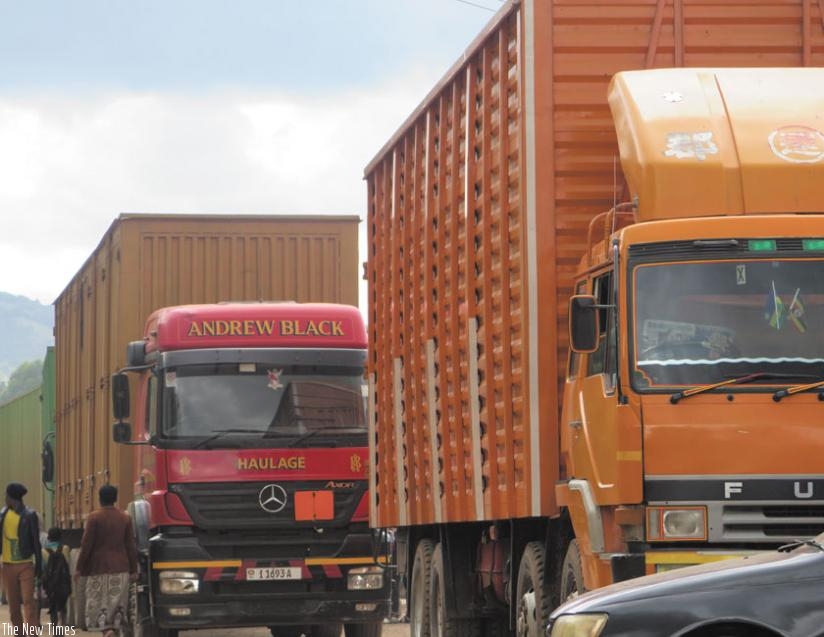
[(242, 401), (703, 322)]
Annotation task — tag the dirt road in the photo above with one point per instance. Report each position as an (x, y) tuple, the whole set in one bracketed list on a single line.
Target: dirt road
[(389, 630)]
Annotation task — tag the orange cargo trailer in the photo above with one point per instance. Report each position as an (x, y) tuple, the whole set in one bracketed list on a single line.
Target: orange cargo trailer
[(480, 209), (145, 262)]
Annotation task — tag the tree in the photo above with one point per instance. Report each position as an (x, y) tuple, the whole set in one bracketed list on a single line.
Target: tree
[(22, 380)]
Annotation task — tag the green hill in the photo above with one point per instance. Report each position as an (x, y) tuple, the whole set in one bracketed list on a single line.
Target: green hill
[(26, 329)]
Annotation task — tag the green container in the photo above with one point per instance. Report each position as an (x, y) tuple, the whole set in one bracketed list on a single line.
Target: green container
[(21, 431)]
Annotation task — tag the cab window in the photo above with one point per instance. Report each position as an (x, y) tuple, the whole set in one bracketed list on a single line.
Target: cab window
[(602, 360), (575, 357)]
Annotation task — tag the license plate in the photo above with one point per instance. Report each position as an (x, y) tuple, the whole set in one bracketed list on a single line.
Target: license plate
[(275, 572)]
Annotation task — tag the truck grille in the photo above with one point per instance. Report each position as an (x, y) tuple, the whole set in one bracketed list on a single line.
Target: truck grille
[(767, 523), (235, 506)]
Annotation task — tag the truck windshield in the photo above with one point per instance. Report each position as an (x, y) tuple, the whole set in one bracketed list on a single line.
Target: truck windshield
[(251, 404), (703, 322)]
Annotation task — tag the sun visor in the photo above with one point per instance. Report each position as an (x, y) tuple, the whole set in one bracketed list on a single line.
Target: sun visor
[(702, 142)]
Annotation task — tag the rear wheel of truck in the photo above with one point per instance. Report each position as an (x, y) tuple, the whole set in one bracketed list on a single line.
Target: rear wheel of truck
[(363, 630), (419, 591), (572, 573), (441, 625), (533, 597)]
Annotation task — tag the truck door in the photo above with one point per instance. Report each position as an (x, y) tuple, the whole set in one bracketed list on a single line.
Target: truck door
[(593, 424)]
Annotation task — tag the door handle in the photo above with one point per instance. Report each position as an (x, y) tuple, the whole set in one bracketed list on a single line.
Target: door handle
[(575, 424)]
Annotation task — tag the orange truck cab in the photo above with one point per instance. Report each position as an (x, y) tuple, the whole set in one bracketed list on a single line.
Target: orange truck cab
[(690, 428), (251, 504)]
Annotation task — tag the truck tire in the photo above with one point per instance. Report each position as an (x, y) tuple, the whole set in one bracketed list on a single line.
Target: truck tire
[(572, 573), (419, 590), (533, 596), (373, 629), (441, 625)]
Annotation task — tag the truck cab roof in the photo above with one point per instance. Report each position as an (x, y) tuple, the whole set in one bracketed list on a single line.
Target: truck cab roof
[(705, 142)]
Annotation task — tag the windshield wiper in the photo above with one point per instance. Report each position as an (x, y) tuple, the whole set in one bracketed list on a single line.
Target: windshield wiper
[(738, 380), (794, 545), (314, 432), (222, 432), (797, 389)]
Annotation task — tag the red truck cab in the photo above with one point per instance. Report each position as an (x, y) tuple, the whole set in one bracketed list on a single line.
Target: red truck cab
[(251, 504)]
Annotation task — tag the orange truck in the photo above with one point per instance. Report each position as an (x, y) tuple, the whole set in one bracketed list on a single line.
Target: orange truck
[(594, 300)]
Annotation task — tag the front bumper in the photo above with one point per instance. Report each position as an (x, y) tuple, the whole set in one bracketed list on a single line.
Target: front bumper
[(226, 598), (658, 561)]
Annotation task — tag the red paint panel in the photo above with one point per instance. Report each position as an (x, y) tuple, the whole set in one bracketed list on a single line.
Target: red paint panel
[(224, 465), (332, 571), (255, 325)]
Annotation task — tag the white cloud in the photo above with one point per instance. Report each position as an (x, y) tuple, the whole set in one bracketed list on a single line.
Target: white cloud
[(70, 166)]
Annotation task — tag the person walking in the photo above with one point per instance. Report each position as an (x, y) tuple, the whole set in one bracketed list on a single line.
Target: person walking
[(57, 578), (22, 559), (108, 560)]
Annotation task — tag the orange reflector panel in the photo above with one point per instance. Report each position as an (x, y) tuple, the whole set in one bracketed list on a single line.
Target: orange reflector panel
[(314, 505)]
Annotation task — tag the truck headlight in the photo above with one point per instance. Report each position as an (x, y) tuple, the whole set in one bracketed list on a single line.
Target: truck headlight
[(364, 578), (584, 625), (179, 582), (676, 523)]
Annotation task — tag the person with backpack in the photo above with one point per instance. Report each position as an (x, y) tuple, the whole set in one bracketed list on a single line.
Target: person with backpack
[(57, 578), (22, 559)]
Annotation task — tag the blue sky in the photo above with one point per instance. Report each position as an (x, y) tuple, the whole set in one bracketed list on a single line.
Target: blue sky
[(251, 106), (202, 45)]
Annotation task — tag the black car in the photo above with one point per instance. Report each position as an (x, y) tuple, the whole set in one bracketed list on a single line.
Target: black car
[(764, 595)]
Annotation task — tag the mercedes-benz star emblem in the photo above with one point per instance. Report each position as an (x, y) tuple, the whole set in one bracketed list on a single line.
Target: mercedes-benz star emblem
[(272, 498)]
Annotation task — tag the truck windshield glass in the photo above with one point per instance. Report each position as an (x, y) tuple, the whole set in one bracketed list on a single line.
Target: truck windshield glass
[(703, 322), (283, 404)]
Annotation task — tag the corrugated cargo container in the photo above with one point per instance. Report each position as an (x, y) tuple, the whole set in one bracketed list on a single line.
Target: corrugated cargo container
[(145, 262), (478, 210), (21, 431)]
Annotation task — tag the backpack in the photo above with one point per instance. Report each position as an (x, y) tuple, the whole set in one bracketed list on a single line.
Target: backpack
[(57, 579)]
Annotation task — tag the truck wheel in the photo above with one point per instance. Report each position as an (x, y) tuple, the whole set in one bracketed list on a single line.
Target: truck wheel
[(326, 630), (441, 625), (572, 573), (363, 630), (533, 597), (419, 591)]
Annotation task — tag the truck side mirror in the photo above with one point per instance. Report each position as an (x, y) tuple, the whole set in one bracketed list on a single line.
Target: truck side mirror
[(120, 396), (121, 431), (583, 324), (47, 462)]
